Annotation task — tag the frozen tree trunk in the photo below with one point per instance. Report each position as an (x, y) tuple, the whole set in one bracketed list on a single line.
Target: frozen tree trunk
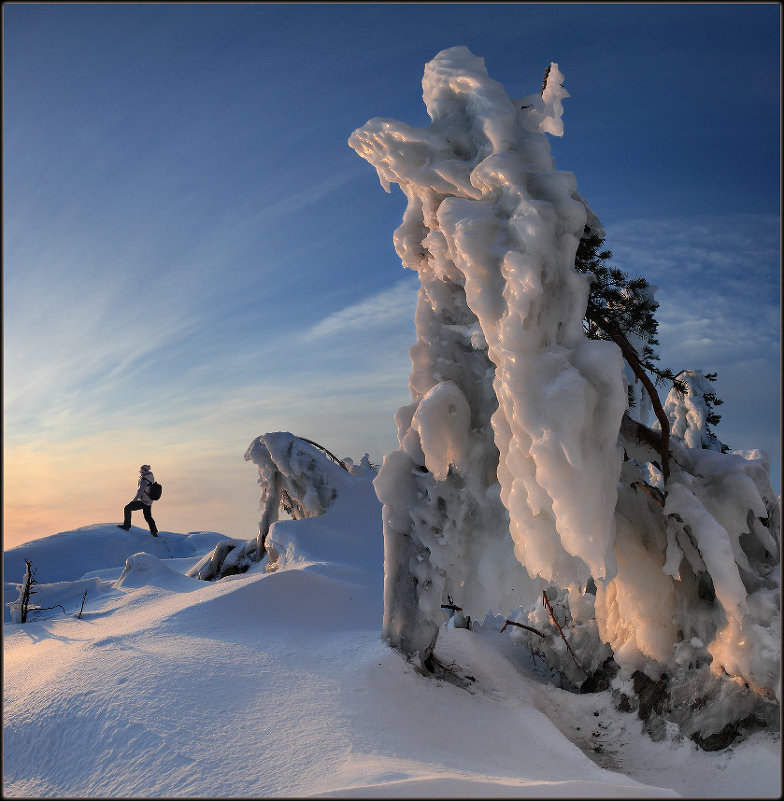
[(508, 454), (269, 505)]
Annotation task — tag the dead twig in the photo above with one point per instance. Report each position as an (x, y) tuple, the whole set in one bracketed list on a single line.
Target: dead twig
[(38, 609), (522, 626), (537, 655), (546, 602), (451, 605), (84, 598), (656, 495)]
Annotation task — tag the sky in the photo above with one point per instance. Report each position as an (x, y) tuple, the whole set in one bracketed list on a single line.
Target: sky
[(193, 256)]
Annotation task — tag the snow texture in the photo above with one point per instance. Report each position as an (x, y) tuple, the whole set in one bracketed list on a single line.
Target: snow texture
[(171, 687)]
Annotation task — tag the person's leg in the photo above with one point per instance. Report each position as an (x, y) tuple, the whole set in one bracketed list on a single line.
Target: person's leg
[(132, 506), (148, 517)]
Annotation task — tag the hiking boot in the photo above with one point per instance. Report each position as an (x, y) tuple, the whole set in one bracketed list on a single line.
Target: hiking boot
[(154, 533), (125, 528)]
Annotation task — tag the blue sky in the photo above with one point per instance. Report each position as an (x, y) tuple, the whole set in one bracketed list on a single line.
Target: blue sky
[(193, 255)]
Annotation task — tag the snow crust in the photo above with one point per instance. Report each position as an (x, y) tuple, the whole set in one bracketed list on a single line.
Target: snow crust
[(278, 685)]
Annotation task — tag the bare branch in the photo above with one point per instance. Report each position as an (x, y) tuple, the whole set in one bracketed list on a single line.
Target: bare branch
[(84, 598), (546, 602), (48, 608), (656, 495), (520, 625), (324, 450)]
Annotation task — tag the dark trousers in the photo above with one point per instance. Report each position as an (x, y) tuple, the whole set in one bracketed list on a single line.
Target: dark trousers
[(134, 506)]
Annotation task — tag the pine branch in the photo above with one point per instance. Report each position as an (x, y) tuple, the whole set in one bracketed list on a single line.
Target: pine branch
[(630, 354)]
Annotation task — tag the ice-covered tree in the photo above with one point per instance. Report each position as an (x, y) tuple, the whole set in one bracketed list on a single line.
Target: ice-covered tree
[(296, 476), (492, 224), (690, 408), (520, 477)]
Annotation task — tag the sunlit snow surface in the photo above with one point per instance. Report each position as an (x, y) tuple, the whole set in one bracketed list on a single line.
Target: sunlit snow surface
[(279, 685)]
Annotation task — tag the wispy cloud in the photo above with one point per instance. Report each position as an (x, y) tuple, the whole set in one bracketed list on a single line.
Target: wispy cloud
[(720, 310), (718, 279), (390, 308)]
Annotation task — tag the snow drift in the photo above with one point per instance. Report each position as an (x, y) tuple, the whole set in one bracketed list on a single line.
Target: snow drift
[(169, 686)]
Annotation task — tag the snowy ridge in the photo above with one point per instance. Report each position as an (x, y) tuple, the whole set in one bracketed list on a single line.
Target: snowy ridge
[(278, 685), (91, 558)]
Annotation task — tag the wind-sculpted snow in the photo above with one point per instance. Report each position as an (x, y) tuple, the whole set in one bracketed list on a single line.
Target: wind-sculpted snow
[(505, 386), (170, 687), (146, 570), (91, 559)]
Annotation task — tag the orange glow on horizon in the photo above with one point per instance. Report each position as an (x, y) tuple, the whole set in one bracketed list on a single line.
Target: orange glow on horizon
[(63, 486)]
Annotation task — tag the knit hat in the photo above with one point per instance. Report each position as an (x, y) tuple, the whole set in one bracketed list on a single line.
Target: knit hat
[(145, 468)]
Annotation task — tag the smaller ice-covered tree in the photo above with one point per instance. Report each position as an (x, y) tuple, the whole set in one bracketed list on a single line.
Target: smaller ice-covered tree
[(691, 411)]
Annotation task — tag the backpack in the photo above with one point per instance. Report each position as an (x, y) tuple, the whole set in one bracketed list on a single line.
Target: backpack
[(154, 491)]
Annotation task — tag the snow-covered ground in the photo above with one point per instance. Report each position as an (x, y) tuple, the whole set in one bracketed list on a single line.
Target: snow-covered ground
[(278, 684)]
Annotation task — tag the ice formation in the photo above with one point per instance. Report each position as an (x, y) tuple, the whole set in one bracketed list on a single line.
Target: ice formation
[(296, 476), (695, 604), (522, 468), (519, 470)]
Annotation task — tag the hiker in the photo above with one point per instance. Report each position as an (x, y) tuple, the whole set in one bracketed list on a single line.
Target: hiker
[(142, 501)]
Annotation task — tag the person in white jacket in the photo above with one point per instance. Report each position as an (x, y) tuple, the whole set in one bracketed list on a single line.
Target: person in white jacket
[(142, 501)]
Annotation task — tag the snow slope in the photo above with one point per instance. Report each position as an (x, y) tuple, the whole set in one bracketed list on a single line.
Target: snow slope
[(277, 684)]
